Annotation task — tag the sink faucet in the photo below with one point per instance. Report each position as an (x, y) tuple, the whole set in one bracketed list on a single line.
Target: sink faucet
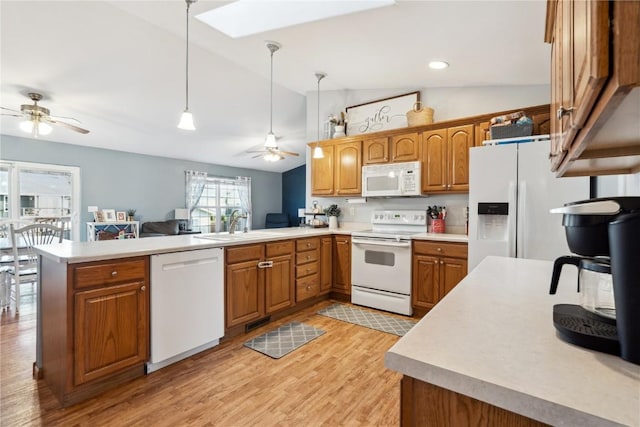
[(233, 220)]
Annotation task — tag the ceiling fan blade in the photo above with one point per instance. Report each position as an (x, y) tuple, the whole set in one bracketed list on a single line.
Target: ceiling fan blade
[(13, 111), (11, 115), (289, 153), (258, 151), (67, 125), (56, 118), (259, 155)]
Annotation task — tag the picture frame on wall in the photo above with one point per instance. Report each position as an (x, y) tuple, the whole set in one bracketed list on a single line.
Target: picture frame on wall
[(381, 114), (121, 216), (98, 216), (109, 215)]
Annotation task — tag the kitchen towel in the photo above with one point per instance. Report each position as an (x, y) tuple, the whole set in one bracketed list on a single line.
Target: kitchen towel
[(368, 319), (284, 340)]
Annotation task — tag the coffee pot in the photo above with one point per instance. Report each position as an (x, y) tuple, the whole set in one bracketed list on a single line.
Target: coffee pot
[(605, 235)]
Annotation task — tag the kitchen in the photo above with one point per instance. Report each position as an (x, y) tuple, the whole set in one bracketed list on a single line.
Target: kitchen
[(358, 209)]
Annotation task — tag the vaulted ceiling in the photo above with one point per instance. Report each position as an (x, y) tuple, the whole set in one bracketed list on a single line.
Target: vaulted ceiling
[(118, 67)]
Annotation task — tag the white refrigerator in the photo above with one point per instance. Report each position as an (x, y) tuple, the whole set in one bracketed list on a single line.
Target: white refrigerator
[(511, 191)]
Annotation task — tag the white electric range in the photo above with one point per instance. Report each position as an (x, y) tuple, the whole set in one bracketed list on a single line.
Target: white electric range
[(381, 260)]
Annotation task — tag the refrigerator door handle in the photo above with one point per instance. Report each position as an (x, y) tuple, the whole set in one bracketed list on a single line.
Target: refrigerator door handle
[(512, 219), (522, 220)]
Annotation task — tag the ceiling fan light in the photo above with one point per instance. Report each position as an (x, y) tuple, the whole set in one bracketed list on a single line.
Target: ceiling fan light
[(272, 157), (186, 121), (318, 153), (26, 126), (270, 141), (44, 129)]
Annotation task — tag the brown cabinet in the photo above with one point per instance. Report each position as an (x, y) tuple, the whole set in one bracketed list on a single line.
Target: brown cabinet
[(326, 264), (342, 265), (111, 329), (595, 65), (437, 268), (339, 173), (258, 281), (348, 169), (307, 268), (375, 151), (446, 159), (396, 148), (405, 147), (322, 173), (95, 325)]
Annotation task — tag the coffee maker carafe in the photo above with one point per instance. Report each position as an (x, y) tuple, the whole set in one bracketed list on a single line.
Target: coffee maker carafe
[(605, 235)]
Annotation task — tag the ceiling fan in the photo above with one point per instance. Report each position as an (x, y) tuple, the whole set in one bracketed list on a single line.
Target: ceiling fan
[(271, 152), (38, 118)]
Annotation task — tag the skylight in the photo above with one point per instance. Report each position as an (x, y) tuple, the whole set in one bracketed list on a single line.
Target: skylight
[(246, 17)]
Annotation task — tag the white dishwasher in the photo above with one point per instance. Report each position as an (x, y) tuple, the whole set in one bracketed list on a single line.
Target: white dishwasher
[(187, 304)]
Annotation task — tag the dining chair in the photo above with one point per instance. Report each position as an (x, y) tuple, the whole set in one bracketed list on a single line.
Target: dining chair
[(25, 260)]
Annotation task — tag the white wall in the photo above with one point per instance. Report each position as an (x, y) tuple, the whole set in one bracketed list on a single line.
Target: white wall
[(619, 185), (448, 103)]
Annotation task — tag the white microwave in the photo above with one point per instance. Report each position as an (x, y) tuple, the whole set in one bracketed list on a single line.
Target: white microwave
[(391, 179)]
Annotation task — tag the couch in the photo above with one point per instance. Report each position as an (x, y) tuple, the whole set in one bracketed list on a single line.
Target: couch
[(170, 227)]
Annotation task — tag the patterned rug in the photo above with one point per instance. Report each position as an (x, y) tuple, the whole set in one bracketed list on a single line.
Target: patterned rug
[(284, 340), (368, 319)]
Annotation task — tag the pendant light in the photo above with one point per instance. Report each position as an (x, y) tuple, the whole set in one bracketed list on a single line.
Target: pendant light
[(317, 151), (270, 140), (186, 119)]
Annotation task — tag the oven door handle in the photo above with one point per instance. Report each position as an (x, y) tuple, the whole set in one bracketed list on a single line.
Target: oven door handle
[(379, 243)]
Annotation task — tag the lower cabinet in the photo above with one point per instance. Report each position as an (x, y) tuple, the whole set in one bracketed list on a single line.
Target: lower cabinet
[(326, 264), (307, 268), (95, 325), (258, 281), (437, 268), (342, 265)]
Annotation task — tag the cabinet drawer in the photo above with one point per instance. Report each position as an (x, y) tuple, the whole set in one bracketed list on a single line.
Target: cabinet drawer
[(109, 273), (279, 248), (457, 250), (307, 269), (243, 253), (307, 256), (307, 287), (307, 244)]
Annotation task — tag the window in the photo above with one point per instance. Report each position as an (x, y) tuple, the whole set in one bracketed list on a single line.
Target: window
[(32, 192), (212, 200)]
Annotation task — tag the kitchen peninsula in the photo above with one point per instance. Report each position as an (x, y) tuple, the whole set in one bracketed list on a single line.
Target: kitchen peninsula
[(488, 354), (93, 325)]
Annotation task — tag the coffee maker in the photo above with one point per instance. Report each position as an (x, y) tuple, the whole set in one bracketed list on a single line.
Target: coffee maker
[(605, 236)]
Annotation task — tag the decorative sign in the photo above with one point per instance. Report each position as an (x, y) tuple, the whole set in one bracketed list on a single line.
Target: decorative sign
[(383, 114)]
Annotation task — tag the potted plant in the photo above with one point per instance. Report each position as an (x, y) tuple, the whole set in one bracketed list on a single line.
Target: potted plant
[(339, 123), (333, 212), (130, 214)]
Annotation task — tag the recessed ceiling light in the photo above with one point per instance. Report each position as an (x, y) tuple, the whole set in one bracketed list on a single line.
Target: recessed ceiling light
[(438, 65), (246, 17)]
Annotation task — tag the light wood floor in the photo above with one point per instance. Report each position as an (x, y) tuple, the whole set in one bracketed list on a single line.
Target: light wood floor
[(337, 379)]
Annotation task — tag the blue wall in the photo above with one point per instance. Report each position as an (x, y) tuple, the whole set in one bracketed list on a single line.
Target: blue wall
[(154, 186), (293, 192)]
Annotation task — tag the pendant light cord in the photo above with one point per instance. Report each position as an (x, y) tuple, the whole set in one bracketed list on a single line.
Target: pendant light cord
[(271, 96), (187, 61), (319, 78)]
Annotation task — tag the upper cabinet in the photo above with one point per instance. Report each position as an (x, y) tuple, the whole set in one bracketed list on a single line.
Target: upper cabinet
[(348, 169), (445, 159), (441, 147), (397, 148), (339, 173), (595, 86)]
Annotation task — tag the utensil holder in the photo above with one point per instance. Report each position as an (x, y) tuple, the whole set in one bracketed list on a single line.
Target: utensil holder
[(437, 225)]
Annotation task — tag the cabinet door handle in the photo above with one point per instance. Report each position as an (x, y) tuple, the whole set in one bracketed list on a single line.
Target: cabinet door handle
[(308, 245), (143, 288), (308, 257), (114, 273), (441, 262), (563, 112), (435, 262), (439, 249), (444, 185)]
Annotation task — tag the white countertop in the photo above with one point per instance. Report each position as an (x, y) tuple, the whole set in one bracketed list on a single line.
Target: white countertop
[(492, 338), (75, 252)]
